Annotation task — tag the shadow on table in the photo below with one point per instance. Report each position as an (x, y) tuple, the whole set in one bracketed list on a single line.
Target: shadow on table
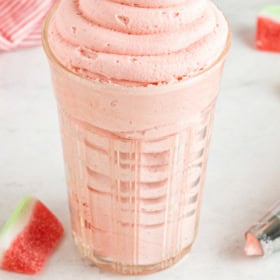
[(277, 90), (247, 36)]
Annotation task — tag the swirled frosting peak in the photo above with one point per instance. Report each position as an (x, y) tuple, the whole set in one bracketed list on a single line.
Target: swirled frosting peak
[(137, 42)]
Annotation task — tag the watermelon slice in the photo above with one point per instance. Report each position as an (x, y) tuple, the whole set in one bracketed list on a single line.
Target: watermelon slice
[(268, 29), (29, 237)]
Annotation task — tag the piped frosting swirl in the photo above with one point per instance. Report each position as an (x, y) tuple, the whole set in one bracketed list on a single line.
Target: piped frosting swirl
[(137, 42)]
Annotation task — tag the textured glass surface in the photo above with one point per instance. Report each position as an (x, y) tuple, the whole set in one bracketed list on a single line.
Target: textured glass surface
[(135, 202)]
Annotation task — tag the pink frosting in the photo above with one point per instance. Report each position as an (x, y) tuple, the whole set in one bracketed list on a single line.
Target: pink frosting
[(137, 42)]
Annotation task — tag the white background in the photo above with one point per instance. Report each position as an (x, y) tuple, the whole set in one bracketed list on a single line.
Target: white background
[(243, 173)]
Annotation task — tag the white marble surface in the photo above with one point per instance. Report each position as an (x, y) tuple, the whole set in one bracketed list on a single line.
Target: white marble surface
[(244, 168)]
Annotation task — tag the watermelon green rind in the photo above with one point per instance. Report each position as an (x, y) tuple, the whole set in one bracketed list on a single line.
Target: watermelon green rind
[(272, 12), (16, 215)]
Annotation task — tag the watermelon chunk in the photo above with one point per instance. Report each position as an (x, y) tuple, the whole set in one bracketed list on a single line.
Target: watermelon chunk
[(29, 237), (268, 29)]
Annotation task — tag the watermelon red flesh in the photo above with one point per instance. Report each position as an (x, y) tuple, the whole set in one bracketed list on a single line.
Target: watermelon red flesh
[(31, 248), (268, 34)]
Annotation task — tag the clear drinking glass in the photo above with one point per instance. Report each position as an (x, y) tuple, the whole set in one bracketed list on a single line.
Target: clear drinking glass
[(135, 194)]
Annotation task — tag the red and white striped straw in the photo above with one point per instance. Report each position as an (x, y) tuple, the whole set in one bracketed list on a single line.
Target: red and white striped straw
[(21, 22)]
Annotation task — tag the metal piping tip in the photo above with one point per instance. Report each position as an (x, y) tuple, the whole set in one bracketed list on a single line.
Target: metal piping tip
[(263, 238)]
